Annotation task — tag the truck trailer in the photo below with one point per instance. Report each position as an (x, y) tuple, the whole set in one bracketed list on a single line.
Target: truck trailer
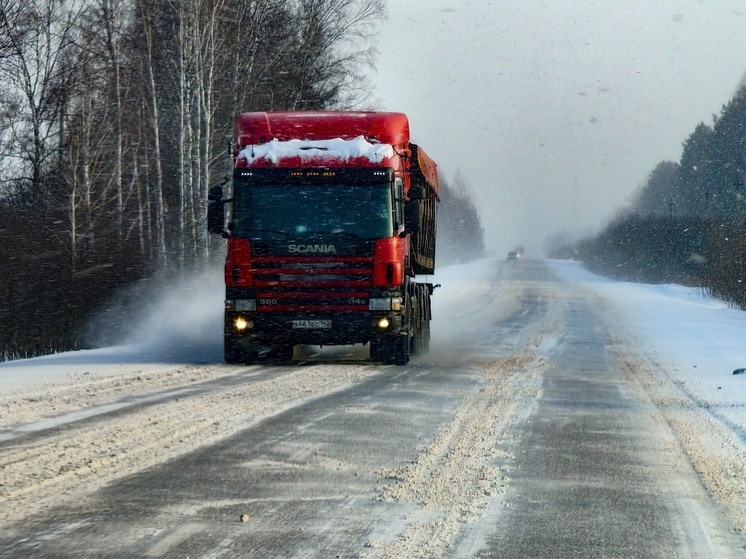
[(330, 221)]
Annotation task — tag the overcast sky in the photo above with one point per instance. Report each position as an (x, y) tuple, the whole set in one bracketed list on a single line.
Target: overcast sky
[(555, 111)]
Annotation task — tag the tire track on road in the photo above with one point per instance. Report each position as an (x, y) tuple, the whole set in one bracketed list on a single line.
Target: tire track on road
[(714, 451), (70, 462), (454, 478)]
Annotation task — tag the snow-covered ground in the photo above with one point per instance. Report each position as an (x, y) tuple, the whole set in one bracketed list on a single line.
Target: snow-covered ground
[(698, 340), (172, 393)]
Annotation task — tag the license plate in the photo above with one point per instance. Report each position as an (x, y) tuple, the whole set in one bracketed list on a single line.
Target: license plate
[(312, 323)]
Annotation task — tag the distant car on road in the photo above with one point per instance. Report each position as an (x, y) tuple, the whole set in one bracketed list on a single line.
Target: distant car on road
[(513, 255)]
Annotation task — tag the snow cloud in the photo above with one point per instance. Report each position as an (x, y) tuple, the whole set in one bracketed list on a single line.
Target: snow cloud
[(168, 319)]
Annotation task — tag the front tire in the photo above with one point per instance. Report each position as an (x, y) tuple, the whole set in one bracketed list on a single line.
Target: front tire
[(391, 350), (282, 353), (236, 353)]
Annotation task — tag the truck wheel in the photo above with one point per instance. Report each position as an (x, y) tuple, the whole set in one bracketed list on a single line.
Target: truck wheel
[(391, 350), (420, 324), (282, 353), (414, 326), (375, 350), (235, 353), (402, 350), (426, 325), (415, 341), (426, 335)]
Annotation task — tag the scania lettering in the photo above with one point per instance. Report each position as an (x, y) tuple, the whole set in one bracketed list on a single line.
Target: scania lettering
[(330, 230), (312, 248)]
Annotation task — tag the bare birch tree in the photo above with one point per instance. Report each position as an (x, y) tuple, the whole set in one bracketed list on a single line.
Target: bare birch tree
[(335, 43), (36, 70), (113, 18), (148, 15)]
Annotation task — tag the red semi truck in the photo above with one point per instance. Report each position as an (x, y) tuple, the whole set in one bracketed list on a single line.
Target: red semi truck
[(330, 218)]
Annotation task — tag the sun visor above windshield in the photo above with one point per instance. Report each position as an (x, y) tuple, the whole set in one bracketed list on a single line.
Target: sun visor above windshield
[(378, 128)]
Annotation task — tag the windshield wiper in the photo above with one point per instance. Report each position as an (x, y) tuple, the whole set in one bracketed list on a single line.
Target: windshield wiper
[(305, 233), (269, 231), (348, 233)]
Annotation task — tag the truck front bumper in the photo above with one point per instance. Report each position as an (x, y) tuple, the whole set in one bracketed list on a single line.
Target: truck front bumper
[(312, 328)]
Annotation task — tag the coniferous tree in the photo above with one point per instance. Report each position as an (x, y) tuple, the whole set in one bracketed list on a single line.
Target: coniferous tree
[(658, 195), (460, 231)]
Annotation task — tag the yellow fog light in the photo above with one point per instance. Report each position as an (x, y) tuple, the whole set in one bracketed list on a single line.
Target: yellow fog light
[(241, 324), (383, 323)]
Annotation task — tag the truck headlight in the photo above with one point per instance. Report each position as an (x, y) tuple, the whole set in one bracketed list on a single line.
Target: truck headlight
[(242, 324), (385, 304)]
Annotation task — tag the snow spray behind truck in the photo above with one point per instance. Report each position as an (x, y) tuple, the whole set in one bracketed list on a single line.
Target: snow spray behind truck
[(331, 216)]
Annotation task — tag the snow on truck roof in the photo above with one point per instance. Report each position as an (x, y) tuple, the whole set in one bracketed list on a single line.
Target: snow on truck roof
[(337, 149), (330, 136)]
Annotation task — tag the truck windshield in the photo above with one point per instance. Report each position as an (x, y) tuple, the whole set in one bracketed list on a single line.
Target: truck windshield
[(263, 211)]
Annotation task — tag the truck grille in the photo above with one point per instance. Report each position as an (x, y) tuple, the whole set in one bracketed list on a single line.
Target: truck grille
[(313, 284)]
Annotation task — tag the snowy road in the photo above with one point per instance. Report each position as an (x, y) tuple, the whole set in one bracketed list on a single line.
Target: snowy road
[(546, 422)]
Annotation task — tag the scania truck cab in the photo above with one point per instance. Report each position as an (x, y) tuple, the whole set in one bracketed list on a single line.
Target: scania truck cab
[(330, 221)]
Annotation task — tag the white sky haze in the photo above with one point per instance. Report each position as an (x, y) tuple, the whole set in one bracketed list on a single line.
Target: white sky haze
[(555, 111)]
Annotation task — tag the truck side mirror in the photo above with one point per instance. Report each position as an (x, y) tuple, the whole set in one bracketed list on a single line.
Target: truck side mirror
[(413, 216), (216, 217), (215, 211), (215, 193)]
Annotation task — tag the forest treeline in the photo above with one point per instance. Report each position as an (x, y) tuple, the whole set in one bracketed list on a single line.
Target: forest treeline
[(460, 231), (687, 223), (114, 119)]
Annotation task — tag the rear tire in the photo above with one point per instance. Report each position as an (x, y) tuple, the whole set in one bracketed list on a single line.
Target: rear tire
[(426, 336), (414, 325), (421, 322), (426, 324)]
